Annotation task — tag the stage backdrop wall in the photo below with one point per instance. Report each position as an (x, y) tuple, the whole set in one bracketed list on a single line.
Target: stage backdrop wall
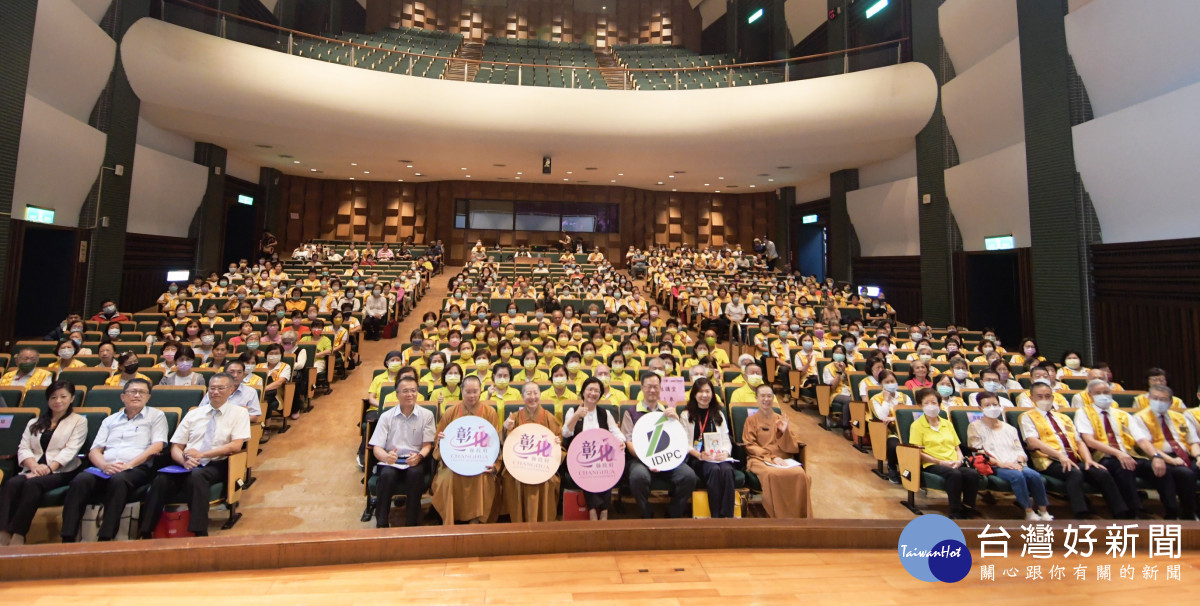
[(385, 211)]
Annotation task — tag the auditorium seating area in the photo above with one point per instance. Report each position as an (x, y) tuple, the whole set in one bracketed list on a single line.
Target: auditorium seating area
[(661, 56), (378, 58), (539, 52)]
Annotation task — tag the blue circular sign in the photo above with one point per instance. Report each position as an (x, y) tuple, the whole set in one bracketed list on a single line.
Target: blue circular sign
[(932, 548)]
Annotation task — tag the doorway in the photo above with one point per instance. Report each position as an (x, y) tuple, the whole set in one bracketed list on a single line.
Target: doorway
[(994, 294), (239, 233), (810, 250), (42, 302)]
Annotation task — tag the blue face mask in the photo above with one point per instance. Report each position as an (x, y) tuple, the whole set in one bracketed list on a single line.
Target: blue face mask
[(945, 390)]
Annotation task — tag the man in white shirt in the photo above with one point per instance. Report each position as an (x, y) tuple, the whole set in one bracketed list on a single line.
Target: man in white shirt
[(122, 453), (1107, 433), (1173, 446), (402, 440), (991, 382), (244, 395), (201, 445)]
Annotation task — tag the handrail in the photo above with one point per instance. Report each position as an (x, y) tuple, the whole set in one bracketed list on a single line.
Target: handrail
[(481, 62)]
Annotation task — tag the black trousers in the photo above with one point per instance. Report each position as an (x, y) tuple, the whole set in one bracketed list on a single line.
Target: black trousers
[(372, 327), (1126, 481), (1176, 489), (600, 501), (21, 495), (198, 483), (390, 478), (962, 484), (113, 494), (718, 481), (1101, 478), (682, 478), (892, 443)]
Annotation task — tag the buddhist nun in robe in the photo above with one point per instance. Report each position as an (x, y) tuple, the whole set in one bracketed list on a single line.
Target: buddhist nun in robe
[(532, 502), (464, 498), (768, 440)]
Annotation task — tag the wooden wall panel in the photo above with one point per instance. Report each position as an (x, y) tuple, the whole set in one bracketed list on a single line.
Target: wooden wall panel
[(900, 279), (147, 260), (366, 210), (1147, 311)]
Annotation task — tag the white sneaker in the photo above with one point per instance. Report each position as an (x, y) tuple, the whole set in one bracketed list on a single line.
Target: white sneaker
[(1033, 515), (1046, 517)]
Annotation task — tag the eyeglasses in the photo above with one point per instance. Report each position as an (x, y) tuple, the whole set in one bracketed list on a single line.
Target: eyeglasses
[(218, 388), (141, 393)]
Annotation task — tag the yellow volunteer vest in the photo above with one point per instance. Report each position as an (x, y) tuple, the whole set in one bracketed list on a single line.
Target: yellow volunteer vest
[(1047, 435), (1142, 402), (36, 378), (1120, 420), (1156, 433)]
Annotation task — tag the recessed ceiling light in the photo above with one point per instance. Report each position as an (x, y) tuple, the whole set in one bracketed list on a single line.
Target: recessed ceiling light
[(674, 190), (671, 176), (705, 185), (613, 181), (417, 174), (313, 169), (410, 165), (354, 164), (565, 179), (717, 191), (720, 178), (751, 186), (366, 172), (660, 182), (295, 161), (517, 178), (520, 173), (351, 178), (620, 174), (771, 180), (468, 176), (400, 180), (570, 173), (464, 168)]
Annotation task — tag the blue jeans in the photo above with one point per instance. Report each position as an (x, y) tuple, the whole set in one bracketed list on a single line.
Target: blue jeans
[(1023, 482)]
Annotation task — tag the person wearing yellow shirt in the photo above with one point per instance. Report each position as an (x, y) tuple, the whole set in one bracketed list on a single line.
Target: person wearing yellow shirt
[(588, 357), (501, 389), (1043, 374), (621, 375), (753, 377), (482, 367), (450, 387), (561, 390), (1157, 377), (393, 362), (941, 454), (66, 358), (1072, 366), (882, 408), (530, 372), (718, 354), (1027, 354), (437, 368), (1051, 438), (127, 364), (611, 393), (575, 374)]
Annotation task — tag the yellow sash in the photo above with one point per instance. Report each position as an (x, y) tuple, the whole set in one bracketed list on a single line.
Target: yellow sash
[(1046, 434)]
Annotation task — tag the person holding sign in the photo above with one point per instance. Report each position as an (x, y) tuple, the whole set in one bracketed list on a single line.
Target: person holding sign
[(769, 446), (706, 426), (681, 477), (402, 441), (531, 502), (590, 416), (457, 497)]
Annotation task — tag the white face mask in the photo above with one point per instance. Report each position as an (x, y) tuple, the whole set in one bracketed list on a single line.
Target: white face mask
[(960, 374), (992, 412), (931, 410), (1103, 401), (1047, 405), (1159, 406)]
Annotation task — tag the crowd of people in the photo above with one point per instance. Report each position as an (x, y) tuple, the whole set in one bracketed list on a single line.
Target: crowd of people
[(278, 318)]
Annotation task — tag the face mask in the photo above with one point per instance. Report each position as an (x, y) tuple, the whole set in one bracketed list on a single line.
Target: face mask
[(1103, 401), (436, 367), (1073, 363), (754, 380), (783, 334), (454, 314), (839, 357), (891, 387), (183, 365), (206, 340), (280, 314), (618, 368), (253, 345), (818, 332), (925, 357), (945, 390), (960, 374), (660, 373), (109, 309), (173, 289), (66, 354), (529, 364), (916, 336), (114, 332), (563, 341), (453, 379), (807, 345), (1045, 405), (931, 410), (181, 313), (130, 368), (1159, 406), (992, 386), (883, 348), (952, 348), (204, 290), (559, 381), (992, 412), (1030, 351)]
